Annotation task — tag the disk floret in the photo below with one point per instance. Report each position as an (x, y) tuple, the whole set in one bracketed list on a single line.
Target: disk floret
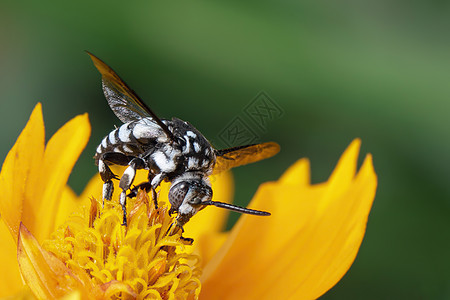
[(146, 259)]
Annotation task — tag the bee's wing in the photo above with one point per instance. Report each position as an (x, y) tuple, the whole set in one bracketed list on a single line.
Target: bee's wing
[(238, 156), (124, 102)]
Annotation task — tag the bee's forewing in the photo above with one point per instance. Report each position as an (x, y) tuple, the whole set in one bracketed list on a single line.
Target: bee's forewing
[(243, 155), (124, 102)]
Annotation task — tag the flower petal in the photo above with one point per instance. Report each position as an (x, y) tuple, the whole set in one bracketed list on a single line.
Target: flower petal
[(46, 275), (22, 160), (68, 203), (61, 153), (302, 258), (297, 174), (344, 225), (24, 294), (342, 176), (208, 244), (93, 189), (10, 280), (256, 243), (72, 296)]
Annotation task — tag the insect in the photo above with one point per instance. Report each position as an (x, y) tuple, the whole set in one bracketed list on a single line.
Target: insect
[(171, 150)]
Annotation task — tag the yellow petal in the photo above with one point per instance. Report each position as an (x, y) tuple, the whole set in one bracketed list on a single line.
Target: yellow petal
[(297, 174), (256, 242), (72, 296), (61, 153), (93, 189), (344, 225), (10, 280), (208, 244), (24, 294), (343, 174), (22, 161), (307, 244), (68, 203), (46, 275)]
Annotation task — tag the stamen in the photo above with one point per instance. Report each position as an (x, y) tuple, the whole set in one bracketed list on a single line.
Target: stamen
[(148, 258)]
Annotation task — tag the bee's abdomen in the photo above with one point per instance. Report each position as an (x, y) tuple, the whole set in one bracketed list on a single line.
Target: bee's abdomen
[(130, 139)]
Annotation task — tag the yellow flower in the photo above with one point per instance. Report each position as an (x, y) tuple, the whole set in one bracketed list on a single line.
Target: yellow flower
[(56, 244)]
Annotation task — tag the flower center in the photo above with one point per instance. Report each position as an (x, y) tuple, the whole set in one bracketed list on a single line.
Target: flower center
[(146, 259)]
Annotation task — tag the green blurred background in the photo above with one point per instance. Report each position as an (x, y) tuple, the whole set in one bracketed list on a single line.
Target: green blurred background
[(378, 70)]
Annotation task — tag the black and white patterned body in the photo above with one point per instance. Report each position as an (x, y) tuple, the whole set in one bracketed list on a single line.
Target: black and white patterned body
[(171, 150), (142, 144), (189, 152)]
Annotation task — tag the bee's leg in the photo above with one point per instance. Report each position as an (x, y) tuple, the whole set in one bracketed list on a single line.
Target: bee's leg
[(155, 181), (178, 227), (146, 186), (106, 174), (155, 198), (187, 241), (151, 176), (125, 182), (172, 211)]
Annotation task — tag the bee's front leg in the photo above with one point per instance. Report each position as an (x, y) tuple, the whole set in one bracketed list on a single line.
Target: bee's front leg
[(172, 211), (146, 186), (173, 230), (106, 174), (155, 181), (125, 182), (187, 241)]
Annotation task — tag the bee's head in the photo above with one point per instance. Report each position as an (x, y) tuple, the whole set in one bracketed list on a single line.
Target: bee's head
[(187, 194)]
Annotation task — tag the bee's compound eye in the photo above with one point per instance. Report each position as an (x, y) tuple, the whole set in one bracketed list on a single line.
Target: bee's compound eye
[(177, 194), (200, 192), (208, 191)]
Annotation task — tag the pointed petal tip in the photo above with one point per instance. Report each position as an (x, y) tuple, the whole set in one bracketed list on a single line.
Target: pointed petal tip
[(61, 153), (85, 120), (357, 140), (85, 115), (314, 256), (36, 115), (345, 169), (297, 174), (354, 146), (24, 233), (38, 106), (81, 120), (351, 153), (22, 238), (22, 160), (369, 168), (368, 159), (22, 227)]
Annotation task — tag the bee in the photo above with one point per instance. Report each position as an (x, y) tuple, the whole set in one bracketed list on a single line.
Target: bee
[(170, 150)]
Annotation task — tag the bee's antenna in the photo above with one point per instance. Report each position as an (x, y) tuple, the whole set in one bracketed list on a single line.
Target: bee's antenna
[(236, 208)]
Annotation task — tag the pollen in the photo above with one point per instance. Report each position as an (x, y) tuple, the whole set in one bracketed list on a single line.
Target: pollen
[(148, 259)]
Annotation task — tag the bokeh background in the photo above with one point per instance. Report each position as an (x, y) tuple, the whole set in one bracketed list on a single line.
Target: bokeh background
[(378, 70)]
